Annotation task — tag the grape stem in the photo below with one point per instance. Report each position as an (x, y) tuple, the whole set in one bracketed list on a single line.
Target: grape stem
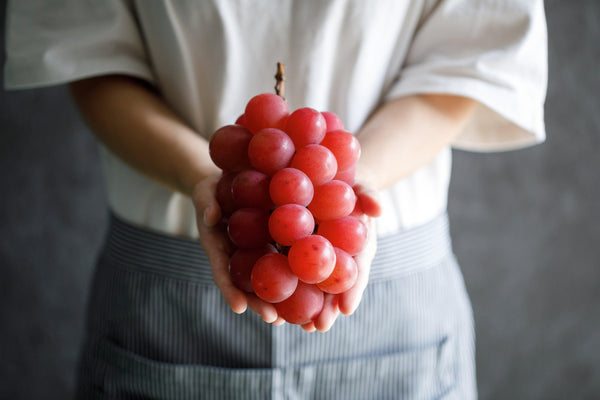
[(279, 76)]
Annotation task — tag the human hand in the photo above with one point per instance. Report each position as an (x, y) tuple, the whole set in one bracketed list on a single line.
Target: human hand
[(216, 244), (347, 302)]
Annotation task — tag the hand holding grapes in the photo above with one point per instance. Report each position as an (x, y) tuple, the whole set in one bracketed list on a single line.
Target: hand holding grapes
[(348, 302), (213, 237)]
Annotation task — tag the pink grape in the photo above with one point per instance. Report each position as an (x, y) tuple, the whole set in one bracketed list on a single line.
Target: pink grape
[(343, 276), (249, 227), (333, 121), (347, 176), (312, 258), (344, 146), (289, 223), (303, 306), (332, 200), (250, 188), (266, 110), (272, 279), (306, 126), (291, 186), (317, 162), (228, 147), (224, 195), (347, 233), (242, 262), (270, 150)]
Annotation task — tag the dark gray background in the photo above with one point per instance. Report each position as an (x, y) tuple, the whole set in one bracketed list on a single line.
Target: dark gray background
[(525, 226)]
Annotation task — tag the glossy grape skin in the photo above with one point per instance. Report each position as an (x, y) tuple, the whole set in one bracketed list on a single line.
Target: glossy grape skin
[(291, 186), (228, 148), (317, 162), (347, 233), (270, 150), (272, 279), (266, 110), (303, 306), (289, 223), (332, 200), (344, 146), (312, 258), (306, 126), (332, 121), (343, 276), (224, 194), (249, 228), (250, 189), (242, 262)]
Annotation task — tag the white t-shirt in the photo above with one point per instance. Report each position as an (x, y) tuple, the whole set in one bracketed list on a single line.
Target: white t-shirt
[(208, 58)]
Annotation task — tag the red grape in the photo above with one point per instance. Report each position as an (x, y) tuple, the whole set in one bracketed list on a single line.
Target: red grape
[(272, 279), (241, 120), (228, 147), (242, 262), (333, 121), (343, 276), (250, 188), (344, 146), (347, 175), (303, 305), (332, 200), (312, 258), (317, 162), (306, 126), (224, 195), (289, 223), (291, 186), (270, 150), (249, 227), (347, 233), (266, 110)]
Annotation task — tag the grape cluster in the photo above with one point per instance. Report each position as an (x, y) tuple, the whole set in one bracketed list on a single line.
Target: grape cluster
[(286, 194)]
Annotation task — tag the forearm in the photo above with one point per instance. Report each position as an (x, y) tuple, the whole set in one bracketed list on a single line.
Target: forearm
[(407, 133), (136, 124)]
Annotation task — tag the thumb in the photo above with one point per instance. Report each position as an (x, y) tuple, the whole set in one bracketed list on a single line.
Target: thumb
[(208, 210)]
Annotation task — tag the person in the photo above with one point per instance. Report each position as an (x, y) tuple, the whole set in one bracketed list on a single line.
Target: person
[(154, 79)]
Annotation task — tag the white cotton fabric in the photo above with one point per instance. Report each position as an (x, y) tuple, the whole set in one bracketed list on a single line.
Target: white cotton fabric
[(209, 58)]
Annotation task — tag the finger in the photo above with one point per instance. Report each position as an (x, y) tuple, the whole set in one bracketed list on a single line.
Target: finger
[(309, 327), (329, 314), (349, 300), (216, 248), (279, 321), (367, 200), (266, 310), (204, 198)]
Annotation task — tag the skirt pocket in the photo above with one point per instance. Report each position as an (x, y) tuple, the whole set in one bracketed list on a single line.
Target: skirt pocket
[(418, 373), (130, 376)]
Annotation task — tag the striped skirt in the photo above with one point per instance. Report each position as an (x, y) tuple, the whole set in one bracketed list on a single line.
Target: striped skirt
[(158, 328)]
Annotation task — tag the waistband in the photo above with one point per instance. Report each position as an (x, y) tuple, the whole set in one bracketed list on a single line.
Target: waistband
[(137, 248)]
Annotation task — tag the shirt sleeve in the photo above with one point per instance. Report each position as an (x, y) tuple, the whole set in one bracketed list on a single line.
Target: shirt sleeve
[(54, 42), (493, 51)]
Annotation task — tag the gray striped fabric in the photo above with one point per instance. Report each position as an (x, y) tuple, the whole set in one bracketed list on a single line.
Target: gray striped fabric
[(158, 328)]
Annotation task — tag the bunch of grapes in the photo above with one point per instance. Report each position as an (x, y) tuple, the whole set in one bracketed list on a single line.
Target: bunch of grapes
[(286, 194)]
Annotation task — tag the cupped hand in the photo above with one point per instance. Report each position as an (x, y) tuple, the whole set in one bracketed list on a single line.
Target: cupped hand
[(218, 248), (368, 207)]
